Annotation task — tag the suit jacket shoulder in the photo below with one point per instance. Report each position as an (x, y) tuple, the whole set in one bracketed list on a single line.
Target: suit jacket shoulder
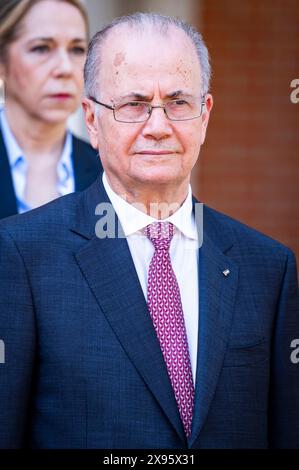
[(55, 220), (221, 228)]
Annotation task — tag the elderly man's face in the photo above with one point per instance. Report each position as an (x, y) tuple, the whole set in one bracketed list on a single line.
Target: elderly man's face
[(152, 68)]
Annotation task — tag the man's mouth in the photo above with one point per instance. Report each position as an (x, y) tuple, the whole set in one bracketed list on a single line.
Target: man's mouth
[(155, 152)]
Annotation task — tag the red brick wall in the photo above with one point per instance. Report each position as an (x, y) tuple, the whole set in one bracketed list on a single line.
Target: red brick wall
[(250, 162)]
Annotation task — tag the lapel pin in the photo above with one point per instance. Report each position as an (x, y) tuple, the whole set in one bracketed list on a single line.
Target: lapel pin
[(226, 272)]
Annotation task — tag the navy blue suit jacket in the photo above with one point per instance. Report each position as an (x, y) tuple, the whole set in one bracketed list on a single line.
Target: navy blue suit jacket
[(86, 164), (83, 366)]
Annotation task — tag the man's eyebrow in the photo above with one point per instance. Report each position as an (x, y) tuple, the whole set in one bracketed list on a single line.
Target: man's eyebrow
[(141, 97), (178, 94), (136, 96), (175, 94)]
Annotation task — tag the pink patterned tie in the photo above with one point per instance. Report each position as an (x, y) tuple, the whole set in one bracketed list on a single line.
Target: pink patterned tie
[(165, 306)]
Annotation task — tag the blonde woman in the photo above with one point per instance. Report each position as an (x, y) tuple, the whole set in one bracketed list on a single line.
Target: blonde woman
[(42, 52)]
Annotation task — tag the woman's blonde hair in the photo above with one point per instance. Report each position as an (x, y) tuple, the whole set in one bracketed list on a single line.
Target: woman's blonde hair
[(12, 13)]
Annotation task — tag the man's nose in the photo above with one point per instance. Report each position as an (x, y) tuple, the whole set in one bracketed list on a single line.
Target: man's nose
[(158, 125), (63, 65)]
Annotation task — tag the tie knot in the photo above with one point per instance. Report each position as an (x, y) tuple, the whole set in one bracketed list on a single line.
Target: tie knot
[(160, 234)]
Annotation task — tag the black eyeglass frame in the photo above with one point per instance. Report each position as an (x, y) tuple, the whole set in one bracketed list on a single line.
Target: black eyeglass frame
[(150, 108)]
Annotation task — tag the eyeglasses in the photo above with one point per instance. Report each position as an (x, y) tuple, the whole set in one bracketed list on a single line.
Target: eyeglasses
[(182, 109)]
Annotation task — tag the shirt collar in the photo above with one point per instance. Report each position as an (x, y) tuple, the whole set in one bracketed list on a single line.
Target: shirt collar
[(133, 220), (65, 166)]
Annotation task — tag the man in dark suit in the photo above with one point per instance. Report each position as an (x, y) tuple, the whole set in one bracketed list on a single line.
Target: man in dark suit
[(132, 316)]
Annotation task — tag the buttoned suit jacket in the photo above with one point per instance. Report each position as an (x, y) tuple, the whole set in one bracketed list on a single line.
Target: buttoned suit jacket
[(83, 367), (86, 165)]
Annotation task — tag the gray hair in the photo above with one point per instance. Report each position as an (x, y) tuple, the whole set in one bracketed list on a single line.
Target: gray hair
[(141, 21)]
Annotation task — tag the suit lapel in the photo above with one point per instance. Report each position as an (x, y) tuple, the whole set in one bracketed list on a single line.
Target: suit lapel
[(8, 203), (216, 303), (109, 270)]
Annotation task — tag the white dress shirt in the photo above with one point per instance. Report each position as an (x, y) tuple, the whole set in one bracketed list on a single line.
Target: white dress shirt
[(18, 165), (183, 253)]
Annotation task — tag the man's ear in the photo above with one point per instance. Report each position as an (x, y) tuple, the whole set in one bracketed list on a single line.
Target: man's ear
[(206, 110), (91, 121)]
